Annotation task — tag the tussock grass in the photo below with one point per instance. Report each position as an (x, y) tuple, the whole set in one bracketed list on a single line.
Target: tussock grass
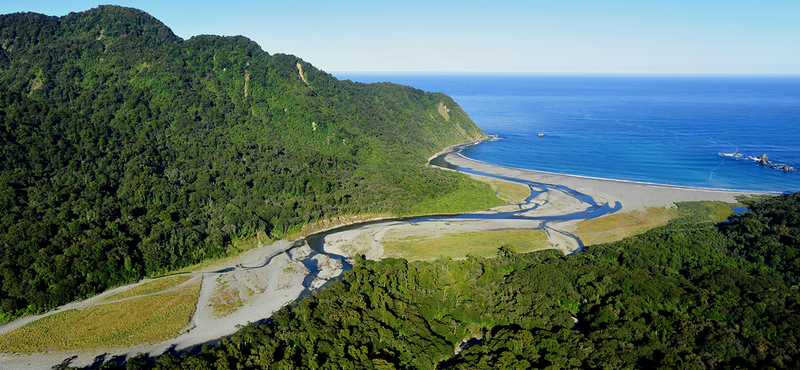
[(150, 287), (228, 300), (142, 320), (229, 296), (479, 244), (508, 191), (618, 226), (706, 211), (225, 303)]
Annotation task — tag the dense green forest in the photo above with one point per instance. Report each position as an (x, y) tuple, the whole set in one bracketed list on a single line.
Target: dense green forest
[(690, 295), (126, 151)]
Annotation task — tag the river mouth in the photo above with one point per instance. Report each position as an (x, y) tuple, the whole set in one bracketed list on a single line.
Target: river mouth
[(289, 270), (547, 208)]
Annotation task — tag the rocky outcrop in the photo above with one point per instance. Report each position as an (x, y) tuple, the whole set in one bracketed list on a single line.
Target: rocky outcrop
[(246, 80), (300, 72), (444, 111), (763, 159)]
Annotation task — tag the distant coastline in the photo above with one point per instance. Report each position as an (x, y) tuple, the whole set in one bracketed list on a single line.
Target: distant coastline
[(651, 129)]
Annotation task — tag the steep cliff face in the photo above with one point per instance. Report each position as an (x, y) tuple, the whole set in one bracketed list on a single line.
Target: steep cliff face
[(127, 151)]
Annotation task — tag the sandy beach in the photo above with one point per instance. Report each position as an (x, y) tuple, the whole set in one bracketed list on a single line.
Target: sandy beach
[(553, 202), (631, 195)]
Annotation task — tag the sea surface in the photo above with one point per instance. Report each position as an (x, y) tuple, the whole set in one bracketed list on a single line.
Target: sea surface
[(664, 129)]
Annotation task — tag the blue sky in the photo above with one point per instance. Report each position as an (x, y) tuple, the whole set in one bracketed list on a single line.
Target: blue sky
[(566, 36)]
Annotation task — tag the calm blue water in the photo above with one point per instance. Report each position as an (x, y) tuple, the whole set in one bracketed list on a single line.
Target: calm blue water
[(658, 129)]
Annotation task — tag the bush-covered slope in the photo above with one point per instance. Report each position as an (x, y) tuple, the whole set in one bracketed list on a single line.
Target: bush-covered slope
[(679, 296), (126, 151), (770, 236)]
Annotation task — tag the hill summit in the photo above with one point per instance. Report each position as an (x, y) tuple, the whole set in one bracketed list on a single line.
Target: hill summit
[(126, 151)]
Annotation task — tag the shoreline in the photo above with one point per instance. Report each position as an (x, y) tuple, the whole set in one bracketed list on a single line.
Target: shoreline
[(452, 148), (632, 195), (270, 262), (456, 149)]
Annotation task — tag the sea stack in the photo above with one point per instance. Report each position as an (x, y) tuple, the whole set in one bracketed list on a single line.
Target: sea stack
[(763, 159)]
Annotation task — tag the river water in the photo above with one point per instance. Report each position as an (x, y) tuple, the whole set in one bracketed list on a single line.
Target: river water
[(525, 211)]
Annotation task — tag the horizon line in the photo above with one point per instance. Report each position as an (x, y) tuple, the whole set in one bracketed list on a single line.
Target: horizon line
[(571, 73)]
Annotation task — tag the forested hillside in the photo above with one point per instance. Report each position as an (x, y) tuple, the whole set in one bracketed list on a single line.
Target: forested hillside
[(126, 151), (689, 295)]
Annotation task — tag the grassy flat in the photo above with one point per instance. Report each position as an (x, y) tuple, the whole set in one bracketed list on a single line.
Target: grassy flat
[(617, 226), (150, 287), (706, 211), (479, 244), (508, 191), (142, 320)]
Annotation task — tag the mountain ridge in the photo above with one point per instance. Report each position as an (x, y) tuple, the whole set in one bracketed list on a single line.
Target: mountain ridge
[(129, 152)]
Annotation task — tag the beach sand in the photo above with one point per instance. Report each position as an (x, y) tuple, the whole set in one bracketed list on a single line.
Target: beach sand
[(367, 239), (631, 195)]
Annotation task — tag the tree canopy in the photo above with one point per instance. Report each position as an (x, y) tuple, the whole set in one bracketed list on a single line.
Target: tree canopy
[(686, 295), (126, 151)]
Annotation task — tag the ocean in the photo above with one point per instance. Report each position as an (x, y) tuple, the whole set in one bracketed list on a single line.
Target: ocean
[(694, 131)]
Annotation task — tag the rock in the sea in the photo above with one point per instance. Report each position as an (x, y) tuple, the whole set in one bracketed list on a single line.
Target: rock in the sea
[(786, 168), (763, 159)]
